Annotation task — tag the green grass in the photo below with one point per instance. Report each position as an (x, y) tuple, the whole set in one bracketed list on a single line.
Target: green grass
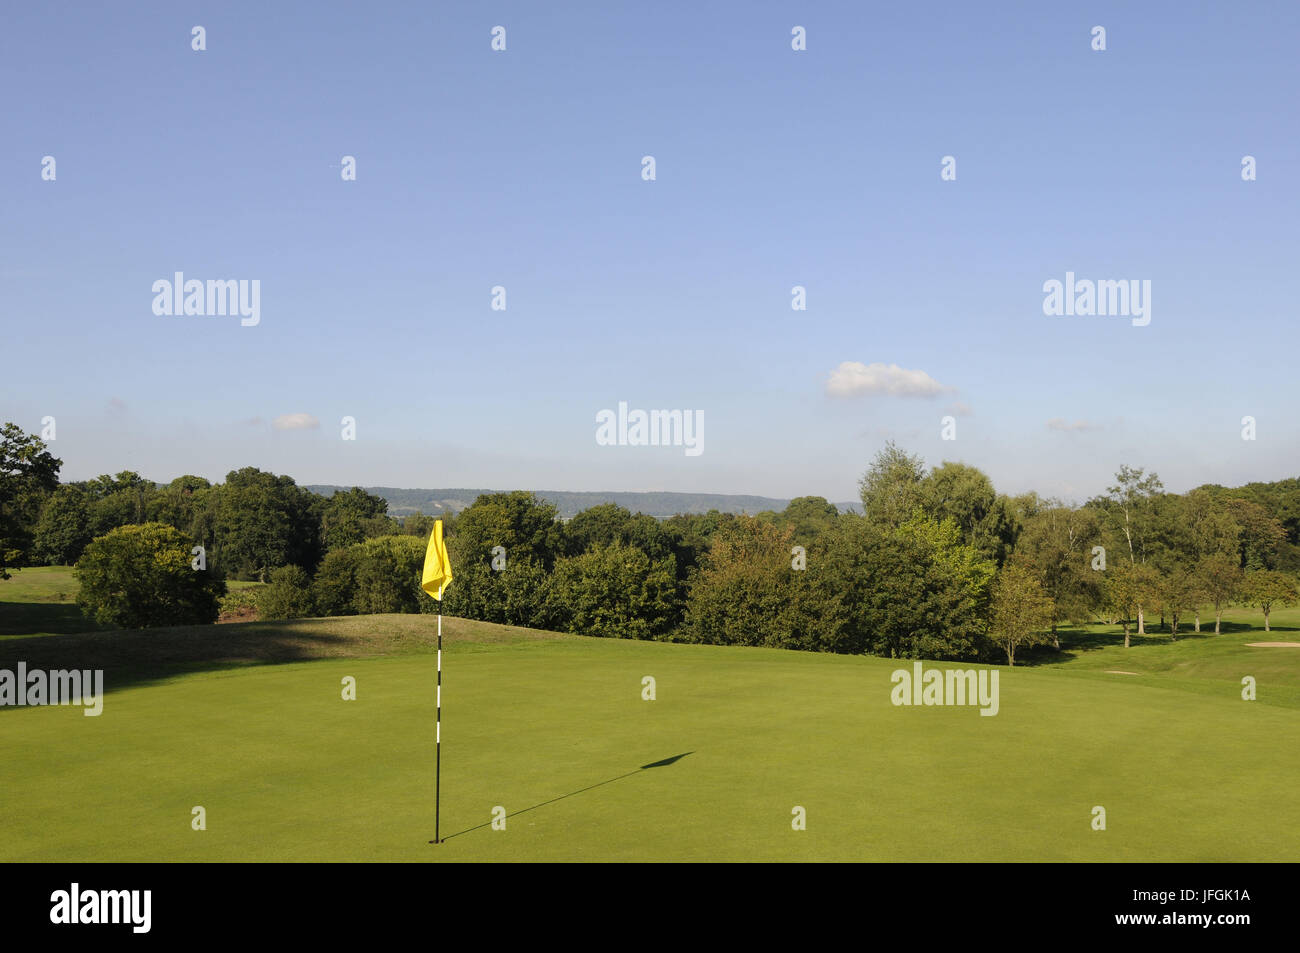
[(247, 721), (42, 600), (554, 729)]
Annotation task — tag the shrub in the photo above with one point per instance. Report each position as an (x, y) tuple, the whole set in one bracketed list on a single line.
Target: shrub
[(139, 576), (287, 596)]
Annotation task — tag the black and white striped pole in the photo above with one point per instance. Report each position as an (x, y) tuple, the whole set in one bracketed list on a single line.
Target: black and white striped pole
[(437, 742)]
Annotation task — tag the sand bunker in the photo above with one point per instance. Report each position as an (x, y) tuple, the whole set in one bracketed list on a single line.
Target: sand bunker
[(1113, 672), (1275, 645)]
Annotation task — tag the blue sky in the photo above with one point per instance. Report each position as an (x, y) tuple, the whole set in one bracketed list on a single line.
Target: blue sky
[(775, 168)]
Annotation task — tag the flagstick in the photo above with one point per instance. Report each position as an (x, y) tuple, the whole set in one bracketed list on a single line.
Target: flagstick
[(437, 770)]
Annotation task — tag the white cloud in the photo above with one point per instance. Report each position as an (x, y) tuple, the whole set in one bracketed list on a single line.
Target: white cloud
[(295, 422), (958, 409), (852, 378), (1060, 423)]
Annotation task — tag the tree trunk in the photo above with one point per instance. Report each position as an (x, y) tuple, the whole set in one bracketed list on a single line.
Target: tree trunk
[(1126, 632), (1218, 614), (1142, 628), (1198, 620), (1266, 629)]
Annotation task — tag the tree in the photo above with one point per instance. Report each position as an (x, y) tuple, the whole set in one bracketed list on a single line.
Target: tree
[(966, 496), (350, 516), (1120, 591), (1261, 534), (28, 474), (180, 503), (614, 590), (63, 529), (1056, 542), (1020, 611), (1219, 577), (526, 527), (891, 488), (334, 587), (263, 521), (810, 517), (745, 592), (609, 523), (388, 573), (1130, 501), (1265, 588), (926, 593), (140, 576), (1175, 591), (287, 596)]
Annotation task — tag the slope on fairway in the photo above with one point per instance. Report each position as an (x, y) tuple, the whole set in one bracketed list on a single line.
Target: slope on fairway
[(554, 729)]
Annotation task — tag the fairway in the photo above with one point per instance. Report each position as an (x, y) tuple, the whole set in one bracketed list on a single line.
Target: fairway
[(554, 729)]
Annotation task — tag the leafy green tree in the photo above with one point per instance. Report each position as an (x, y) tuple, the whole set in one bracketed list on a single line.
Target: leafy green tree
[(609, 523), (28, 474), (891, 489), (180, 504), (140, 576), (810, 517), (929, 598), (692, 534), (1265, 588), (262, 521), (121, 500), (63, 529), (334, 587), (288, 595), (1121, 591), (746, 592), (388, 575), (1056, 542), (418, 524), (350, 516), (614, 590), (1220, 578), (1020, 611), (1130, 507), (1261, 536), (1176, 591), (527, 528), (963, 494)]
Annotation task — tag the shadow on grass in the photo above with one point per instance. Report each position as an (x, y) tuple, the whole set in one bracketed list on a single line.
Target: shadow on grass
[(591, 787), (23, 618), (131, 657), (1077, 640)]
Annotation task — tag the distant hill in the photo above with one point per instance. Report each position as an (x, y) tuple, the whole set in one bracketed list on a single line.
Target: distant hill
[(404, 502)]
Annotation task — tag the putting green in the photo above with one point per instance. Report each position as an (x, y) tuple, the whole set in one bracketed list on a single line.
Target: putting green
[(555, 731)]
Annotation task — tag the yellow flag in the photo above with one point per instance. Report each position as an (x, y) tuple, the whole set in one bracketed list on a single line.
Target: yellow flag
[(437, 567)]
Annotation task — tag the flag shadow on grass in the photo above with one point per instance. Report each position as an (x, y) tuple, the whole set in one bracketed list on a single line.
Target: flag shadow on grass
[(654, 764)]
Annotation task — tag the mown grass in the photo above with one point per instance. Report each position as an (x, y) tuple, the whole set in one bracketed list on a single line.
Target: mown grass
[(248, 721)]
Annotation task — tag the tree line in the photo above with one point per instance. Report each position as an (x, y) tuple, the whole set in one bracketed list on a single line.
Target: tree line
[(937, 565)]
